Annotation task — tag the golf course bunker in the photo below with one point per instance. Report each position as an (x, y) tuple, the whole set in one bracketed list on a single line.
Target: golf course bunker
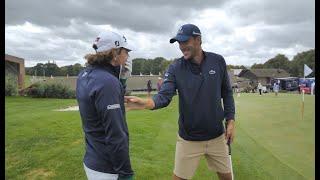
[(70, 108)]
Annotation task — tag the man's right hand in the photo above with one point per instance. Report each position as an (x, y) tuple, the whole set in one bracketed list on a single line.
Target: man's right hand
[(134, 103)]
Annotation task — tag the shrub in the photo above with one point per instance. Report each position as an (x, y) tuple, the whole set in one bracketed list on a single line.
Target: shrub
[(11, 86), (50, 90)]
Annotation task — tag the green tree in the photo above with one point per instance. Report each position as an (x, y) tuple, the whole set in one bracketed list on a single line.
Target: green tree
[(298, 61), (257, 66), (280, 61), (147, 67), (51, 69), (156, 64), (137, 65), (38, 69), (165, 66), (76, 68)]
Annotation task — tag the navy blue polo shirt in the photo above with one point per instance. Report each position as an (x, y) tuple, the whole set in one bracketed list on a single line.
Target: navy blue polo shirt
[(201, 89), (100, 97)]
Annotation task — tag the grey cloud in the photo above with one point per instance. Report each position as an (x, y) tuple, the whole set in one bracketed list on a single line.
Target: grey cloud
[(141, 16), (272, 11), (284, 24)]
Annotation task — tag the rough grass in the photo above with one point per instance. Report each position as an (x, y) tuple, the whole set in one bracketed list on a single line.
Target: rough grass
[(272, 141)]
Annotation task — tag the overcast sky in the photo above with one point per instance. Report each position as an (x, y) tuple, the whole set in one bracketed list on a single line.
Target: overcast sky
[(243, 31)]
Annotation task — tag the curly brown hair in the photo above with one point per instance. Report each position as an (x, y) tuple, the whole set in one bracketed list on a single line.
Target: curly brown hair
[(102, 58)]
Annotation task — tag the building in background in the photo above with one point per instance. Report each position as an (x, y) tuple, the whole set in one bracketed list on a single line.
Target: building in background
[(264, 76), (14, 66)]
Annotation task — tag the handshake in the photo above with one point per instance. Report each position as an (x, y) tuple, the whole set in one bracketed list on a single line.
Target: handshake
[(136, 103), (133, 102)]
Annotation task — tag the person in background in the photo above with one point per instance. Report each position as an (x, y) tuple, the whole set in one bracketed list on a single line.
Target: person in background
[(149, 87), (260, 88), (312, 87), (276, 88)]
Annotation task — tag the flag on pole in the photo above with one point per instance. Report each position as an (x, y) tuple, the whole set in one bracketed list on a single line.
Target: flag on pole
[(306, 70)]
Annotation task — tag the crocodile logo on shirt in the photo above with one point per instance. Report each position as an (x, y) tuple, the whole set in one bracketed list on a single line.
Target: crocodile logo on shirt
[(212, 71)]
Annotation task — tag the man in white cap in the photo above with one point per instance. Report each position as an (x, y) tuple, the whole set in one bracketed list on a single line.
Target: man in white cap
[(100, 95)]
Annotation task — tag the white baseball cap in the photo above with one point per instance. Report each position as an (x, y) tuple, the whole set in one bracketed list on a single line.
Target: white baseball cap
[(107, 40)]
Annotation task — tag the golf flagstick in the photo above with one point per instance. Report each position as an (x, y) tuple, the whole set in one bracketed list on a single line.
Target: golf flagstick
[(302, 108), (229, 149)]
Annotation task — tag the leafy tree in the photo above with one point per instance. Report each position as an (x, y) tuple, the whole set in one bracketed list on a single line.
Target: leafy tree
[(298, 61), (76, 68), (280, 61), (137, 65), (51, 69), (165, 65), (147, 67), (257, 66), (156, 64)]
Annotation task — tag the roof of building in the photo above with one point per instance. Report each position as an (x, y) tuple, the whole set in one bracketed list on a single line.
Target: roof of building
[(236, 72), (14, 59), (274, 73)]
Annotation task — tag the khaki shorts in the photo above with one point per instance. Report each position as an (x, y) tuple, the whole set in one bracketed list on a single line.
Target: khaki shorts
[(188, 154)]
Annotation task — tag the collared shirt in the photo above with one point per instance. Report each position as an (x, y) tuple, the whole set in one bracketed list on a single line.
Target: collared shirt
[(201, 89)]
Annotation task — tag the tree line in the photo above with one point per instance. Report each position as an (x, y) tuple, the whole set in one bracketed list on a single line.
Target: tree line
[(159, 65), (293, 67), (52, 69)]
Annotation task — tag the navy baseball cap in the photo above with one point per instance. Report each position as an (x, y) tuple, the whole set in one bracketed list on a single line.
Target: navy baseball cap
[(185, 32)]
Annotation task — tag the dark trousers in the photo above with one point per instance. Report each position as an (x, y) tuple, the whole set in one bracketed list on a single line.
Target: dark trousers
[(260, 91)]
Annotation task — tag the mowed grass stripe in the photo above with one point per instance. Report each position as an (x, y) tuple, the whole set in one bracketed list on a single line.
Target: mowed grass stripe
[(158, 155), (40, 142), (276, 123), (45, 144)]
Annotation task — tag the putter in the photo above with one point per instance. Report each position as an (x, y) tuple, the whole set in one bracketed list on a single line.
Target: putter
[(229, 149)]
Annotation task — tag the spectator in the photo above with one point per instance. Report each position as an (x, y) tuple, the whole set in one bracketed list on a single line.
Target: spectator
[(276, 88), (312, 87), (260, 88), (149, 87)]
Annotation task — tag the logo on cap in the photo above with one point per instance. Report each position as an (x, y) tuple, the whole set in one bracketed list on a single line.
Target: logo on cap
[(125, 39), (194, 33), (180, 31), (117, 43)]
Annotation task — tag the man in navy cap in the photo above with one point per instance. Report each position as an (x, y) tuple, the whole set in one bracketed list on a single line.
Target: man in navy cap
[(202, 81)]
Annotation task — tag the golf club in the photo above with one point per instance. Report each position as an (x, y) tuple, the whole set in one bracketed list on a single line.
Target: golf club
[(229, 149)]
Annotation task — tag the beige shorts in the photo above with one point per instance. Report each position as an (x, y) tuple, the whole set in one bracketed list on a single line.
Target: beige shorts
[(188, 154)]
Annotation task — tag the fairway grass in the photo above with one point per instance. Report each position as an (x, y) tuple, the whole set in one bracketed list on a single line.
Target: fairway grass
[(272, 141)]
